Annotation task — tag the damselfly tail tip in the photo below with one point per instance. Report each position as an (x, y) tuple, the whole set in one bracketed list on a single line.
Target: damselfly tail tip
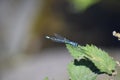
[(47, 37)]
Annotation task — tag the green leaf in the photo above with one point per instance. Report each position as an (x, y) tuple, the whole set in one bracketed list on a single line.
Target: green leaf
[(76, 52), (100, 58), (80, 72)]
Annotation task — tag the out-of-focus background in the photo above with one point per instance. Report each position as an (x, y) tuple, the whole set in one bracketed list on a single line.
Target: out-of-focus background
[(25, 54)]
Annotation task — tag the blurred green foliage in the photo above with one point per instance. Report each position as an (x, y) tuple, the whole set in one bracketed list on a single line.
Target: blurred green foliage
[(82, 5), (46, 78)]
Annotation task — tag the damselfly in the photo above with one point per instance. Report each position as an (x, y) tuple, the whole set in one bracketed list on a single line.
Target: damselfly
[(60, 39)]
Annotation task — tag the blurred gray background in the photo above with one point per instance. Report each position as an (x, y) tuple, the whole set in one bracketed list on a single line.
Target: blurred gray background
[(25, 54)]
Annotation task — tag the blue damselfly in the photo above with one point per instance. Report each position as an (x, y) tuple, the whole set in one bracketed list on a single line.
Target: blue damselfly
[(60, 39)]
